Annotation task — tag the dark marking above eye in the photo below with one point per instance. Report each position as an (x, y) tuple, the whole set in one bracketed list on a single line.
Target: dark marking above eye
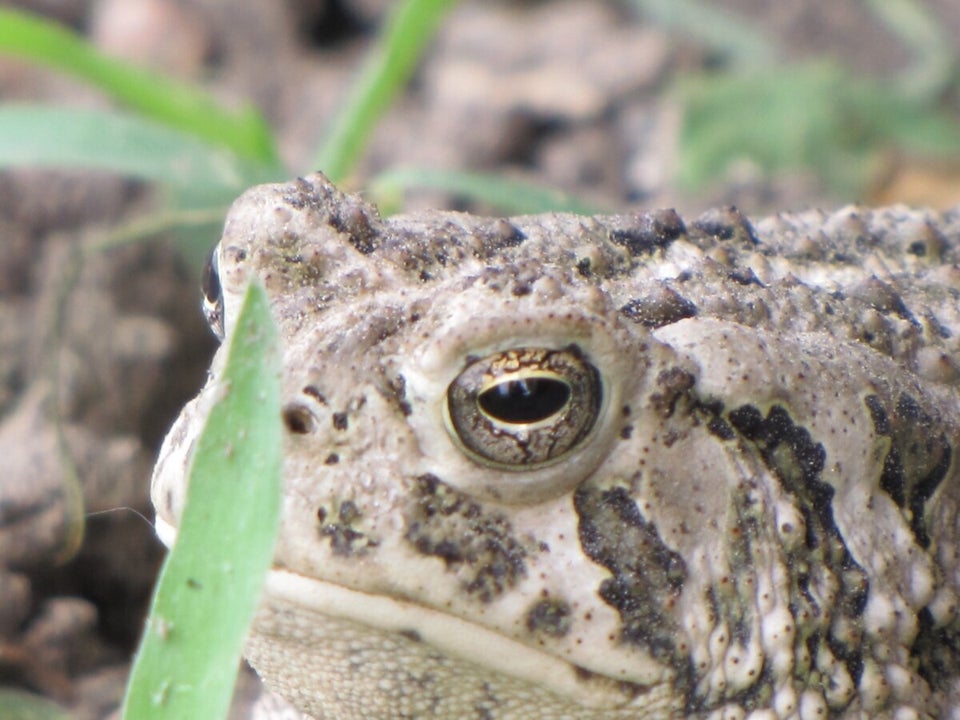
[(727, 224), (649, 232), (525, 400), (663, 307)]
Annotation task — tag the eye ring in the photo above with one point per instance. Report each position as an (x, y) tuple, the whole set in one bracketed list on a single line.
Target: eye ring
[(524, 408)]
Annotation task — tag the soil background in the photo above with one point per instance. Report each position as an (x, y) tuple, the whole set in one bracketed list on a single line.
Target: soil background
[(96, 357)]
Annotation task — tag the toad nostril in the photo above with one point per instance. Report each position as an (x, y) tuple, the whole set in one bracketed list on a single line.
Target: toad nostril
[(298, 419)]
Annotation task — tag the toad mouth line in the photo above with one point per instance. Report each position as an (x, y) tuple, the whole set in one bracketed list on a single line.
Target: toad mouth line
[(452, 636)]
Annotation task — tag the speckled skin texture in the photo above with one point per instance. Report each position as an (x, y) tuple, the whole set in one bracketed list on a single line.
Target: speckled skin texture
[(754, 514)]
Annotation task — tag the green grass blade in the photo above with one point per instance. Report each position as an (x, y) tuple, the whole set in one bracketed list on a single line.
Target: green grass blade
[(210, 583), (176, 104), (384, 75), (507, 196), (39, 136)]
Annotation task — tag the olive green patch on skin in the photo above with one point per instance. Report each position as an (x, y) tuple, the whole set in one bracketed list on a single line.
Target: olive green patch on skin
[(479, 546), (917, 461)]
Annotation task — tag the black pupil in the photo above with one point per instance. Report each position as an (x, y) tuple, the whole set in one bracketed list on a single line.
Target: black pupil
[(524, 401)]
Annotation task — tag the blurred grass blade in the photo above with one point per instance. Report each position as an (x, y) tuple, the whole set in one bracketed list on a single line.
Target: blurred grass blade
[(41, 136), (20, 705), (209, 586), (151, 94), (739, 41), (507, 196), (386, 72), (815, 116), (935, 58)]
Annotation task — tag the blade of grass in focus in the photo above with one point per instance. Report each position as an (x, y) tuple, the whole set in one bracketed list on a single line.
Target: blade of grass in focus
[(210, 584)]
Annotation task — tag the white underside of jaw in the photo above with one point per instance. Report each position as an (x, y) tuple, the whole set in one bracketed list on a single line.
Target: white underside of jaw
[(450, 635)]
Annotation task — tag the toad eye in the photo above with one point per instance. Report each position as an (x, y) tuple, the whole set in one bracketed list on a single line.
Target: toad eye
[(212, 293), (524, 408)]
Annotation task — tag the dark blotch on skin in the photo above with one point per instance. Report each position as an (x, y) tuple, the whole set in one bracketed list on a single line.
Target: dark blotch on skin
[(503, 234), (720, 428), (727, 224), (314, 392), (745, 276), (918, 458), (411, 635), (397, 391), (917, 248), (798, 460), (344, 213), (672, 385), (549, 617), (647, 575), (478, 545), (650, 232), (344, 538), (937, 650), (664, 307), (883, 298)]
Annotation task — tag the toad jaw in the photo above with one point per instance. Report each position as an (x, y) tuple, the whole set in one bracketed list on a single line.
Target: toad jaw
[(454, 637)]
